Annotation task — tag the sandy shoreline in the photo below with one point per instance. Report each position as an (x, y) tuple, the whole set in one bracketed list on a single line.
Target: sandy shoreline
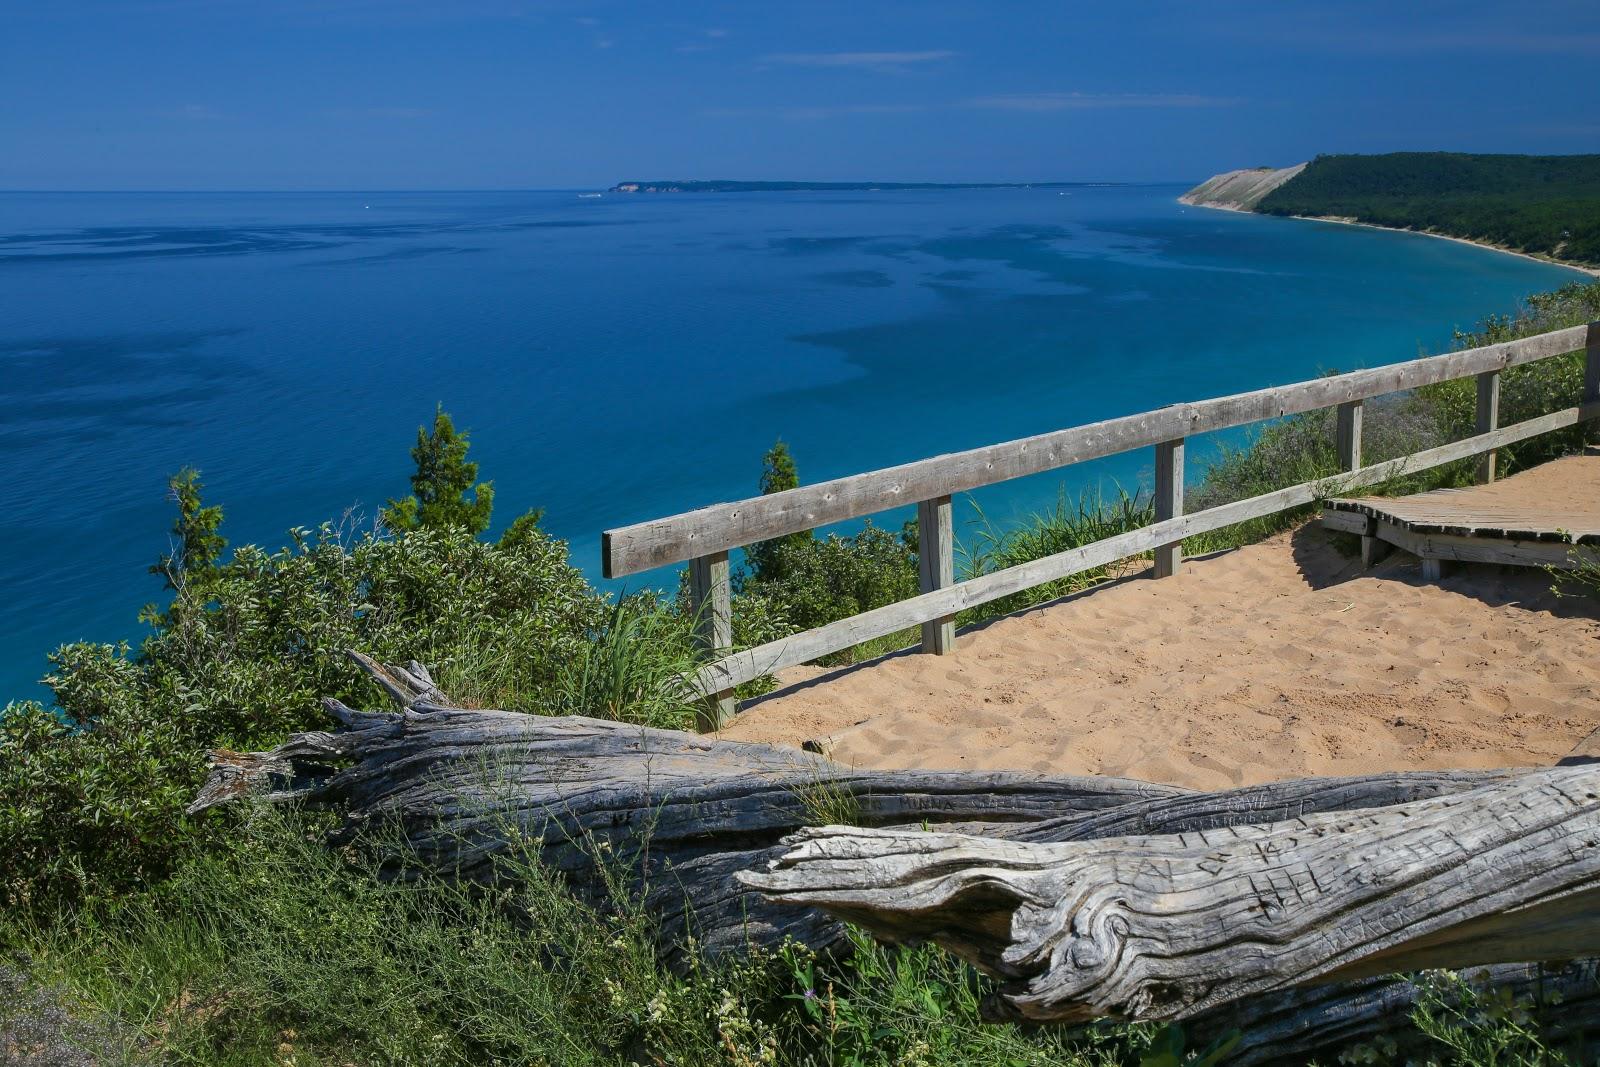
[(1276, 660), (1593, 272)]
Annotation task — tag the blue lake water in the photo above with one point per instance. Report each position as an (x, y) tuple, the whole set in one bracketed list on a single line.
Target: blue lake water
[(624, 357)]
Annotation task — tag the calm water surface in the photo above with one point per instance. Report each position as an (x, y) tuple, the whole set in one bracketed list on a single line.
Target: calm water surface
[(624, 357)]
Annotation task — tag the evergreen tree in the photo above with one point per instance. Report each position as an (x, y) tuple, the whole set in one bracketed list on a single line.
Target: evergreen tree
[(440, 486), (196, 545), (522, 529), (778, 471), (767, 559)]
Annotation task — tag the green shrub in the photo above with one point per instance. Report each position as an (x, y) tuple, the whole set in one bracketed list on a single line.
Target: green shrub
[(92, 791), (799, 581), (1528, 390), (1481, 1026), (829, 578)]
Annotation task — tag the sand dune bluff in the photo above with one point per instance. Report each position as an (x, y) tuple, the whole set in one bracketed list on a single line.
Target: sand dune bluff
[(1239, 190)]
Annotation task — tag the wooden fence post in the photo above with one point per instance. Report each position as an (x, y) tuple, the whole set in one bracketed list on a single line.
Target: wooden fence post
[(1488, 419), (710, 598), (1591, 375), (1347, 438), (936, 568), (1348, 434), (1169, 503)]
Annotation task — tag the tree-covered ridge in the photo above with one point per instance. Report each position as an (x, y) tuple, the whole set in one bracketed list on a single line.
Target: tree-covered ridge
[(1543, 204)]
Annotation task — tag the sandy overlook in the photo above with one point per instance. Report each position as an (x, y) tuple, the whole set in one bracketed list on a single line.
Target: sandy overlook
[(1272, 661)]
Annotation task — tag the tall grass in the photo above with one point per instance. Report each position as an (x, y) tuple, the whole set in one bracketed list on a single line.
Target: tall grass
[(1073, 522), (285, 952), (633, 668)]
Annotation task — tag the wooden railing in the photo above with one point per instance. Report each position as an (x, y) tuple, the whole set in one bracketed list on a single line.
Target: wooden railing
[(704, 537)]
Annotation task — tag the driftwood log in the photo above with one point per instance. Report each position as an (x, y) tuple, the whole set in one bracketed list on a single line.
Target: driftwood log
[(1029, 876), (1165, 926)]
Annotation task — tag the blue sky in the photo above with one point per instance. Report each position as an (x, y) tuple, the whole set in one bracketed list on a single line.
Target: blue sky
[(372, 94)]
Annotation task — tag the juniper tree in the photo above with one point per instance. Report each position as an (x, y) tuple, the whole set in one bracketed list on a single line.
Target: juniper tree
[(196, 545), (440, 486), (767, 558)]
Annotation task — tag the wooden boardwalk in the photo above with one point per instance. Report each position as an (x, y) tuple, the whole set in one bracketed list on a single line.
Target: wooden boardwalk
[(1548, 516)]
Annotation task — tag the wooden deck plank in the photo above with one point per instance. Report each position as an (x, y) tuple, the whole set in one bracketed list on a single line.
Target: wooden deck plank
[(1558, 502)]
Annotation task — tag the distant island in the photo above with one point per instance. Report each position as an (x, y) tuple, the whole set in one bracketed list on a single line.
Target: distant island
[(1545, 206), (720, 185)]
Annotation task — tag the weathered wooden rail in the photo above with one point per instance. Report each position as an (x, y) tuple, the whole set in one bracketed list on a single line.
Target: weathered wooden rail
[(704, 537)]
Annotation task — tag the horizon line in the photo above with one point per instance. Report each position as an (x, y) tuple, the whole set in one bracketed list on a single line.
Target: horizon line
[(599, 188)]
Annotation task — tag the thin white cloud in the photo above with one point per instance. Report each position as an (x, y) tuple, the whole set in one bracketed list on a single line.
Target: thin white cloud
[(405, 113), (879, 61), (1096, 101), (804, 113), (197, 112), (712, 35)]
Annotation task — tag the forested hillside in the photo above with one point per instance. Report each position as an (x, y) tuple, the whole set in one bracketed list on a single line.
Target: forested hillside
[(1543, 204)]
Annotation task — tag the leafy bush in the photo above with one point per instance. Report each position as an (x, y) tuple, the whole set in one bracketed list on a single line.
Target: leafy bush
[(1482, 1026), (1529, 390), (833, 577), (92, 792)]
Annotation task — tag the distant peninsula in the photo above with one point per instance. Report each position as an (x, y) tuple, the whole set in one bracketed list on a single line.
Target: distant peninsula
[(720, 185), (1543, 206)]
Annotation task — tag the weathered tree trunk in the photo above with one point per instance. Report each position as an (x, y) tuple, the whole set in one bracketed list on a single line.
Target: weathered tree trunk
[(680, 813), (1164, 927), (1320, 1022), (683, 815)]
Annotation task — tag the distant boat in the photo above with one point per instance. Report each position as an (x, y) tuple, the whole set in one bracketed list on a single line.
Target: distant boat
[(590, 196)]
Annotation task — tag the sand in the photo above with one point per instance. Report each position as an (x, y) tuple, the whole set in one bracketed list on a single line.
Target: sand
[(1239, 190), (1273, 661)]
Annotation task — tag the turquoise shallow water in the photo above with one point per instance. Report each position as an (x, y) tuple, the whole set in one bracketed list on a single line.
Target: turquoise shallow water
[(625, 357)]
